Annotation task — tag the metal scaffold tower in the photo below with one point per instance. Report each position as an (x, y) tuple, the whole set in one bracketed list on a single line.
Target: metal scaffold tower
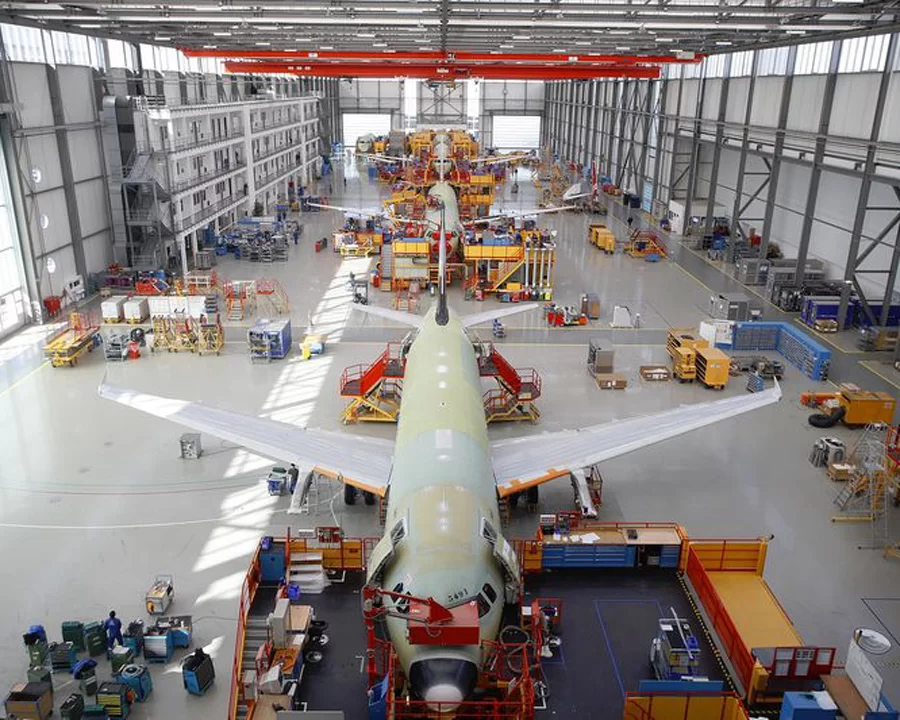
[(873, 486)]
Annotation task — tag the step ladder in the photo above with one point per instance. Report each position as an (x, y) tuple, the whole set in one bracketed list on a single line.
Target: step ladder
[(308, 572), (862, 498)]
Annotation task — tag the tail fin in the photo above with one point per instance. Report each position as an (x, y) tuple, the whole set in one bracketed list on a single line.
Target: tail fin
[(442, 316)]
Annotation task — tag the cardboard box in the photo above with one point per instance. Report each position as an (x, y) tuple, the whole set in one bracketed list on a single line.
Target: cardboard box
[(611, 381)]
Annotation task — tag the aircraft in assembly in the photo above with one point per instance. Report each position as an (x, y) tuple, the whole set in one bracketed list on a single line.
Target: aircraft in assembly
[(442, 477)]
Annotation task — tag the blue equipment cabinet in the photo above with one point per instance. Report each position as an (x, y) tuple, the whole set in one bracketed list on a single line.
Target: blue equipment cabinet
[(807, 706), (272, 566), (159, 645), (269, 339), (198, 672), (137, 678)]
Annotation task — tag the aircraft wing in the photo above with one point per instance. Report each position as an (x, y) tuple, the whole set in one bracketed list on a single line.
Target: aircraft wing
[(359, 461), (397, 316), (519, 213), (532, 460), (383, 158), (351, 210)]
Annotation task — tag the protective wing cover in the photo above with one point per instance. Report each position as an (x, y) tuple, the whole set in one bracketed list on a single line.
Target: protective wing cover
[(359, 461), (523, 462), (490, 315)]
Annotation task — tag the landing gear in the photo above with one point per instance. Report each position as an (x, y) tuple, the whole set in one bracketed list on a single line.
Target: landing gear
[(532, 496), (369, 497), (349, 495), (513, 500)]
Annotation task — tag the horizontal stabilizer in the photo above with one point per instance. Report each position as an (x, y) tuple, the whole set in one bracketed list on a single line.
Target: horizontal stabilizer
[(403, 318), (491, 315)]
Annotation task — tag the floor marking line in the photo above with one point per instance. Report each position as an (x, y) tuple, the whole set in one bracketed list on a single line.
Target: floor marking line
[(134, 526), (25, 377), (878, 618), (612, 655), (868, 365)]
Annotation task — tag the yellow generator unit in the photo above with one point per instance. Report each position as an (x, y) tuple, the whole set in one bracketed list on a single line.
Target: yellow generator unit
[(866, 408), (684, 364), (602, 237), (712, 367), (684, 338)]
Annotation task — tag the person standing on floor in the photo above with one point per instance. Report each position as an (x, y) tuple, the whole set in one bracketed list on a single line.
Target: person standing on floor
[(113, 627)]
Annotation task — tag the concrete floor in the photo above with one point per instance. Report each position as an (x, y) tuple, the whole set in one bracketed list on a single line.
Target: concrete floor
[(94, 500)]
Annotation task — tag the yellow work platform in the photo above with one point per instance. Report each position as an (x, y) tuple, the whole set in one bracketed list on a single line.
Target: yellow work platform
[(756, 614)]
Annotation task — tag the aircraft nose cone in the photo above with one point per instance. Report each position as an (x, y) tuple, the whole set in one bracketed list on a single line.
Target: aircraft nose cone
[(443, 682)]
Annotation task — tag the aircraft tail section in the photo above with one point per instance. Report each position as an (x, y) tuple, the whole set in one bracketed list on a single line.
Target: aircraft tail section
[(403, 318), (491, 315)]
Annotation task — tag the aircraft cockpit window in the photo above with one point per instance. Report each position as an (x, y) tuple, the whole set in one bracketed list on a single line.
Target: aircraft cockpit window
[(401, 605), (398, 532), (487, 531), (489, 592), (483, 605)]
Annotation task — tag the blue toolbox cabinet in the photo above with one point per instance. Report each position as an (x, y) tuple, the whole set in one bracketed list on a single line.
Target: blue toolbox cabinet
[(138, 680)]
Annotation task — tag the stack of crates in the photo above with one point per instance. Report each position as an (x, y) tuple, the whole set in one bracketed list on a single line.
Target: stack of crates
[(114, 697), (62, 656), (72, 707), (73, 632), (36, 644), (712, 367), (95, 639)]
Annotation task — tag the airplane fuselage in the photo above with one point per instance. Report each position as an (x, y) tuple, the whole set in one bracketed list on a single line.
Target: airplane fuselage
[(442, 485)]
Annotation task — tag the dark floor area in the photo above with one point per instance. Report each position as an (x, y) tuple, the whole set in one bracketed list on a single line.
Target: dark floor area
[(609, 618), (337, 682)]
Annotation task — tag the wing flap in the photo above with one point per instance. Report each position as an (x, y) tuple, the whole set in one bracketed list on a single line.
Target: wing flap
[(521, 463), (359, 461)]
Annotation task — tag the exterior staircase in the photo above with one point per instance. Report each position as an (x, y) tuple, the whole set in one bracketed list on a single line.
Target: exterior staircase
[(255, 635), (274, 294)]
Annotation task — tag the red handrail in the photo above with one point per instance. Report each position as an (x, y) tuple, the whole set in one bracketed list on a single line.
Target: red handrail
[(248, 592)]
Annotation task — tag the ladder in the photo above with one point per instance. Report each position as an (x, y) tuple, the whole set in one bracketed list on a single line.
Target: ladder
[(863, 496)]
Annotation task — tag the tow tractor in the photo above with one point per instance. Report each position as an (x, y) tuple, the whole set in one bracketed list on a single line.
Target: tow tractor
[(564, 316)]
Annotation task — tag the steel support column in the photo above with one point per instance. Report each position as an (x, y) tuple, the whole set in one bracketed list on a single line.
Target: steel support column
[(783, 110), (694, 162), (675, 130), (853, 260), (815, 173), (717, 148), (742, 160)]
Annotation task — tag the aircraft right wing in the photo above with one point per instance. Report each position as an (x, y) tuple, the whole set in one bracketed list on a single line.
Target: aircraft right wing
[(524, 462), (362, 462), (491, 315)]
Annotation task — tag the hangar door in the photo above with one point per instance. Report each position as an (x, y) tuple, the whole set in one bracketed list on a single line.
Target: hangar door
[(356, 124), (517, 132)]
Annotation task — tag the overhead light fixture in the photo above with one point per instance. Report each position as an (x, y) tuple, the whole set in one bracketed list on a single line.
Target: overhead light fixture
[(326, 47), (162, 38), (426, 48), (495, 52), (623, 48), (210, 47), (616, 32), (264, 44), (796, 32), (582, 42), (847, 2), (561, 51), (521, 37), (223, 33), (723, 42), (365, 35), (507, 47), (665, 40), (379, 44)]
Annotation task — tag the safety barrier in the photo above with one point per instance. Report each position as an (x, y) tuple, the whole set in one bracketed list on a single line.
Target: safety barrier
[(248, 592), (653, 706), (735, 648), (730, 555)]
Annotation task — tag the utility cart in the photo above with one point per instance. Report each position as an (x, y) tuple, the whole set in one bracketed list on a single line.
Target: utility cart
[(675, 651), (160, 595)]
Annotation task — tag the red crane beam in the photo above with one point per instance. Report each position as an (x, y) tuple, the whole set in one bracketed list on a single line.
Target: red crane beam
[(436, 57), (447, 72)]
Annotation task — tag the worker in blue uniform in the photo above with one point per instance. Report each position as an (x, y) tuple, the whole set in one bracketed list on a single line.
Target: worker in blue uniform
[(113, 627)]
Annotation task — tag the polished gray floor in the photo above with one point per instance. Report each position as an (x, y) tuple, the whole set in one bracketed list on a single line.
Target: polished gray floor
[(94, 500)]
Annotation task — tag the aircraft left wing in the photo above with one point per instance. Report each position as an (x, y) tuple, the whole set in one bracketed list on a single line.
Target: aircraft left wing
[(359, 461), (521, 463)]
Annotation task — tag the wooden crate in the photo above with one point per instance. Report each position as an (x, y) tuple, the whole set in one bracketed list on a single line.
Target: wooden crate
[(611, 381)]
